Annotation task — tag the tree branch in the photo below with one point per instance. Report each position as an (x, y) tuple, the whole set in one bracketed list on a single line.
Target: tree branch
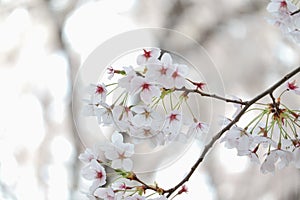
[(269, 91)]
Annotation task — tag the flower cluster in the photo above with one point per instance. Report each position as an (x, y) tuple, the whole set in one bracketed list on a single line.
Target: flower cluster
[(286, 15), (150, 101), (146, 103), (272, 133)]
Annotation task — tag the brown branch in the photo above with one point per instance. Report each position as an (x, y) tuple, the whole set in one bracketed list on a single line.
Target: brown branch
[(269, 91), (214, 96)]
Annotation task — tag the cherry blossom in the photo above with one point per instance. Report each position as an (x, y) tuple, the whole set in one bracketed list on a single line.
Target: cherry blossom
[(149, 56), (119, 153), (88, 155), (281, 11), (104, 114), (178, 75), (198, 128), (239, 139), (98, 92), (96, 173), (173, 122), (160, 72), (144, 116), (281, 156), (122, 116), (125, 82), (145, 88)]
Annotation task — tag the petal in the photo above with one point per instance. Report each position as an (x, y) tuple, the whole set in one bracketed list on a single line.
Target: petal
[(127, 164), (116, 164)]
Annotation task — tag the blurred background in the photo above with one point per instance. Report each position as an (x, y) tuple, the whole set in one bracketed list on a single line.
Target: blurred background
[(42, 46)]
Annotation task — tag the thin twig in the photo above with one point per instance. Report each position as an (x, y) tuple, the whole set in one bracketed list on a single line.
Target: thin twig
[(226, 128), (214, 96)]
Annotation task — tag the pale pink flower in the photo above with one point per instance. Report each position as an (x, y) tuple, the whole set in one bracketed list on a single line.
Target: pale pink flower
[(144, 116), (149, 56), (119, 153), (145, 88), (104, 114), (96, 173), (198, 128), (239, 139), (125, 82), (161, 71), (122, 116), (173, 122), (98, 92), (88, 155), (178, 75), (281, 156)]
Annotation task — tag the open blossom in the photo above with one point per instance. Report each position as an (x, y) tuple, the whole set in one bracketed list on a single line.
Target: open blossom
[(144, 116), (178, 75), (160, 72), (96, 173), (104, 114), (160, 198), (119, 153), (239, 139), (149, 56), (145, 88), (122, 116), (281, 11), (98, 92), (125, 82), (198, 128), (173, 123), (88, 155), (281, 156)]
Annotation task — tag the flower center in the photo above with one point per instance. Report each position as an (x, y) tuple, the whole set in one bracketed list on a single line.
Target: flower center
[(147, 54), (145, 86), (99, 89), (99, 175), (173, 117)]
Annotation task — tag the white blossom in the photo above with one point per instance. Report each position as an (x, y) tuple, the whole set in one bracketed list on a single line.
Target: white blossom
[(96, 173), (149, 56), (145, 88), (160, 72), (119, 153), (88, 155)]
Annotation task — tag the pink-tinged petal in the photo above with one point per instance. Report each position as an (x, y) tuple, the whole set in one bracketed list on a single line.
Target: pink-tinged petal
[(141, 60), (116, 137), (141, 120), (111, 154), (127, 164), (146, 96), (116, 164), (273, 7), (166, 59)]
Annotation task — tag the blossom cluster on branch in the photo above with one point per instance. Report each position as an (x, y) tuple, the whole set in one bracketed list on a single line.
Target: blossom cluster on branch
[(149, 103), (286, 15)]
